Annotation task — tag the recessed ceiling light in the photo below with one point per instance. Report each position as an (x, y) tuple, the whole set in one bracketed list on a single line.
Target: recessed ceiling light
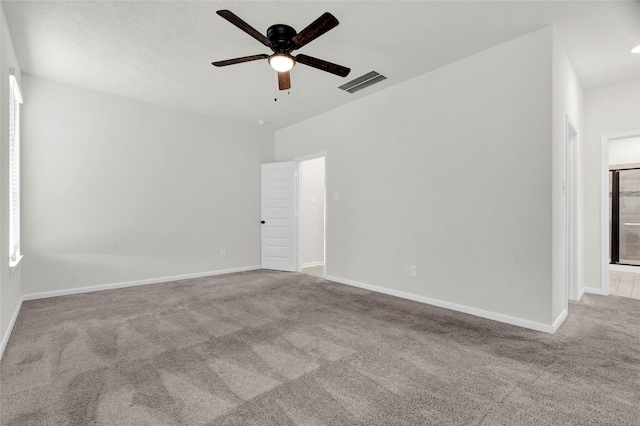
[(263, 122), (636, 49)]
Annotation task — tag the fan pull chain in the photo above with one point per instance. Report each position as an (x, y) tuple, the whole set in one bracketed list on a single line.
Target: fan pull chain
[(275, 98)]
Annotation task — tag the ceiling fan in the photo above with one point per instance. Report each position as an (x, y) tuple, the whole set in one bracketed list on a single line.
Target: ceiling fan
[(282, 40)]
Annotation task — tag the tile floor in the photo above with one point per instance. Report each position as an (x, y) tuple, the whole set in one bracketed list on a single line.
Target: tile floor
[(316, 271), (626, 284)]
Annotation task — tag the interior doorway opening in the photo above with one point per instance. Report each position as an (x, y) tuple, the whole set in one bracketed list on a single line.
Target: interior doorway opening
[(621, 214), (312, 215)]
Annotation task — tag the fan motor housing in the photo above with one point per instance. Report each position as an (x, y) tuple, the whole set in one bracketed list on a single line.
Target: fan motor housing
[(280, 36)]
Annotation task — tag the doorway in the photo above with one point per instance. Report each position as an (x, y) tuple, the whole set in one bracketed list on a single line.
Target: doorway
[(311, 202), (620, 226), (624, 241)]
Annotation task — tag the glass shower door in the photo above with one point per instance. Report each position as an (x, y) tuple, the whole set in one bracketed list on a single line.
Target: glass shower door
[(625, 215), (629, 216)]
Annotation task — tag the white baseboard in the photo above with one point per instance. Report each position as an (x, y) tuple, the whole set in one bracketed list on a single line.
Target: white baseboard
[(624, 268), (590, 290), (581, 293), (7, 334), (312, 264), (66, 292), (55, 293), (520, 322), (558, 322)]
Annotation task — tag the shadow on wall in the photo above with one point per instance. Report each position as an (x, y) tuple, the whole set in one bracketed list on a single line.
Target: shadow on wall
[(52, 272)]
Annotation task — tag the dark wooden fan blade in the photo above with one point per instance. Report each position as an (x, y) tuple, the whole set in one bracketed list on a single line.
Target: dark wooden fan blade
[(239, 60), (323, 65), (284, 80), (318, 27), (235, 20)]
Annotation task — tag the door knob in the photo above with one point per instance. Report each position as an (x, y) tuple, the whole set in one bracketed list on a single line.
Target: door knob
[(262, 222)]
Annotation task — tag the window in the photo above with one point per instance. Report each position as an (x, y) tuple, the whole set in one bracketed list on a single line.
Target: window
[(15, 99)]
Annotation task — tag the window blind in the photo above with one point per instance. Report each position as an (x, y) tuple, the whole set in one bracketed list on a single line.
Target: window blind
[(15, 99)]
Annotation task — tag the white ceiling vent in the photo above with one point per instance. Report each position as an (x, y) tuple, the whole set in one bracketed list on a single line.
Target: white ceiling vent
[(363, 81)]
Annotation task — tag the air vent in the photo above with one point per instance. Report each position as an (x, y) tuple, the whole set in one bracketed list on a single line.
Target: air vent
[(363, 81)]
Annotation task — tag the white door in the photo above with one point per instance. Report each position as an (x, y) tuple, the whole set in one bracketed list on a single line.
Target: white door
[(278, 221)]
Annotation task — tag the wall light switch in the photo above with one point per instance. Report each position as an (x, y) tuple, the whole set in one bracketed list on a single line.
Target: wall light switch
[(413, 271), (405, 270), (223, 253), (336, 196)]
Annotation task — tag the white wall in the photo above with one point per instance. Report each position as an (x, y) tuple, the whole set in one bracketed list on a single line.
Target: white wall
[(10, 292), (450, 171), (608, 110), (624, 151), (116, 190), (567, 102), (311, 178)]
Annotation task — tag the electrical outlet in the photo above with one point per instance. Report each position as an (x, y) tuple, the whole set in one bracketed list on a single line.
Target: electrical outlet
[(413, 271), (223, 253), (405, 270)]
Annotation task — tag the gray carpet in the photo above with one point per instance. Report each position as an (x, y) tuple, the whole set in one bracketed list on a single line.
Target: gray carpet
[(273, 348)]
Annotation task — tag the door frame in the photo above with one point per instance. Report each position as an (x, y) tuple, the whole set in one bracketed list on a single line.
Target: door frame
[(572, 241), (296, 191), (604, 204)]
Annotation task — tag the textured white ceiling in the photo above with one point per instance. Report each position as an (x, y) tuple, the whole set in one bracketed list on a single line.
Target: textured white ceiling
[(599, 43), (161, 51)]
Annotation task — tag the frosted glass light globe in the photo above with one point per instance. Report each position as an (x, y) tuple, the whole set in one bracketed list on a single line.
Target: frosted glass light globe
[(281, 62)]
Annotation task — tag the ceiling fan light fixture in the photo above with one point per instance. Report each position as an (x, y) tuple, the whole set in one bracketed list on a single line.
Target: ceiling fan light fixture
[(636, 49), (281, 62), (282, 40)]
